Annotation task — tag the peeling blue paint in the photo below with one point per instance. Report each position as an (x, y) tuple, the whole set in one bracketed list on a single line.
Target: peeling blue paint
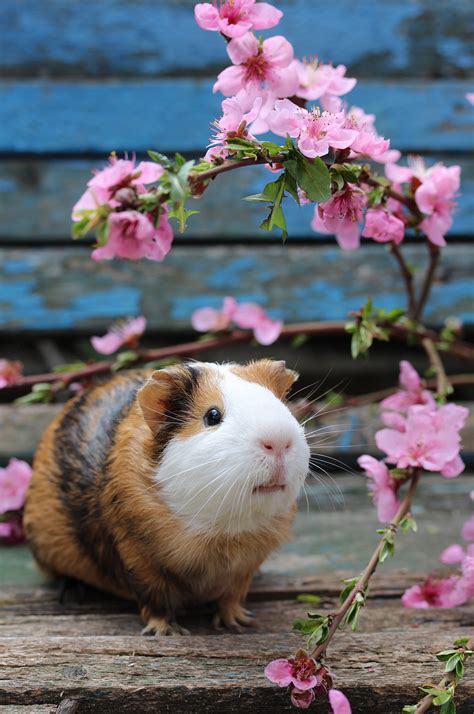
[(18, 267)]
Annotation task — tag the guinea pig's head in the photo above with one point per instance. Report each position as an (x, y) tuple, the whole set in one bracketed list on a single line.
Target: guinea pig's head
[(231, 456)]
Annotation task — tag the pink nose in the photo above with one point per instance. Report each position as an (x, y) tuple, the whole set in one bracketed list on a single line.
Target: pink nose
[(277, 447)]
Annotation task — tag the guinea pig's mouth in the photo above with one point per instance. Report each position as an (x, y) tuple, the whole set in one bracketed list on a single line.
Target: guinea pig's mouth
[(269, 488)]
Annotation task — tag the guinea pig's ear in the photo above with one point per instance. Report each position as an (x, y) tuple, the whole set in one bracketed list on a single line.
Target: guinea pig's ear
[(272, 374), (154, 396)]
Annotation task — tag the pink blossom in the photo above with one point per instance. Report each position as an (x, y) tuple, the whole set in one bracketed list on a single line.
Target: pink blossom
[(11, 531), (432, 593), (383, 226), (233, 123), (299, 671), (14, 480), (317, 79), (452, 554), (315, 132), (244, 315), (339, 702), (133, 235), (371, 145), (468, 529), (258, 66), (207, 319), (383, 487), (411, 392), (249, 315), (470, 97), (233, 18), (9, 372), (302, 699), (342, 216), (119, 174), (434, 199), (431, 439), (126, 332)]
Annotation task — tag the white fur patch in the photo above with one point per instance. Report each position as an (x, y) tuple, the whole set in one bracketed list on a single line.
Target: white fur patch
[(209, 479)]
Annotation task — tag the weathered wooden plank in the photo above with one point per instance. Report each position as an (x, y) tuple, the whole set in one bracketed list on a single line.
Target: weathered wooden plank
[(100, 116), (116, 37), (342, 432), (126, 674), (36, 197), (61, 289), (272, 617)]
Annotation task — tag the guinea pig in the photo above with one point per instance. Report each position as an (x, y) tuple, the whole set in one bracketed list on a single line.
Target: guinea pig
[(170, 488)]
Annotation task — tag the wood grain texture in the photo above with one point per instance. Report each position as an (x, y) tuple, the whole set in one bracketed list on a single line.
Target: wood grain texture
[(126, 674), (345, 432), (117, 37), (62, 289), (36, 197), (78, 116)]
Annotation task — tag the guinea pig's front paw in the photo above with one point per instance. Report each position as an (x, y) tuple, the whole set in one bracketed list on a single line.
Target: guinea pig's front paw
[(160, 626), (232, 616)]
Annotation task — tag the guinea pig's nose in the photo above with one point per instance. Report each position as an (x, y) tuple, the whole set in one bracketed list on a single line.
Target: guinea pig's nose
[(276, 446)]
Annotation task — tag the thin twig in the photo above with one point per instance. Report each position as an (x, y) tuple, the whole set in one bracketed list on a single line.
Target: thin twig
[(442, 384), (428, 280), (197, 177), (425, 703), (320, 651), (407, 275)]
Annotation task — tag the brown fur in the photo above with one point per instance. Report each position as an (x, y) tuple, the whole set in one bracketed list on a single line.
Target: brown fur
[(100, 518)]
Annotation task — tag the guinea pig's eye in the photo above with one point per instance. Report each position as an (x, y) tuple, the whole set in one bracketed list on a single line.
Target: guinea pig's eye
[(213, 417)]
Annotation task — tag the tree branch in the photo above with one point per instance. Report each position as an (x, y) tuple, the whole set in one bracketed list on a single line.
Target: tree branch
[(428, 281), (407, 277), (442, 384), (425, 703), (197, 177), (320, 651)]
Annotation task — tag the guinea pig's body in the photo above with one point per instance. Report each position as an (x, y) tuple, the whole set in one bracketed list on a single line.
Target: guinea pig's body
[(170, 488)]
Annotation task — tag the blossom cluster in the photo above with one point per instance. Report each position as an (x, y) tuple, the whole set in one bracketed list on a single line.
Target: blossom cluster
[(268, 89), (126, 332), (453, 590), (114, 199), (419, 434), (306, 680), (10, 371), (247, 316), (14, 480)]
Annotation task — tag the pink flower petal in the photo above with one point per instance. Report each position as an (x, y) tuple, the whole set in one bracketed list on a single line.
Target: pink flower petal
[(339, 702), (280, 672), (267, 331), (206, 16), (263, 16), (241, 49), (468, 529), (452, 554)]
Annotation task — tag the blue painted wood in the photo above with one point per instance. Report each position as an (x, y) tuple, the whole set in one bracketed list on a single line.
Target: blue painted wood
[(36, 197), (63, 289), (169, 114), (120, 37)]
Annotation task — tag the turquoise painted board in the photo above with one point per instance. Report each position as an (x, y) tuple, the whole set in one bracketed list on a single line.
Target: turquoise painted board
[(63, 289), (414, 38), (36, 196), (170, 114)]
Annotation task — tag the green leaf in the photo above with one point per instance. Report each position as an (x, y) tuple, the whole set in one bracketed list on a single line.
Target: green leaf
[(307, 597), (159, 158), (40, 393), (460, 669), (312, 175), (408, 523), (448, 707), (71, 367), (305, 627), (181, 214), (291, 186), (445, 654), (271, 148), (299, 340), (350, 584), (452, 662), (460, 642), (409, 708), (124, 360)]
